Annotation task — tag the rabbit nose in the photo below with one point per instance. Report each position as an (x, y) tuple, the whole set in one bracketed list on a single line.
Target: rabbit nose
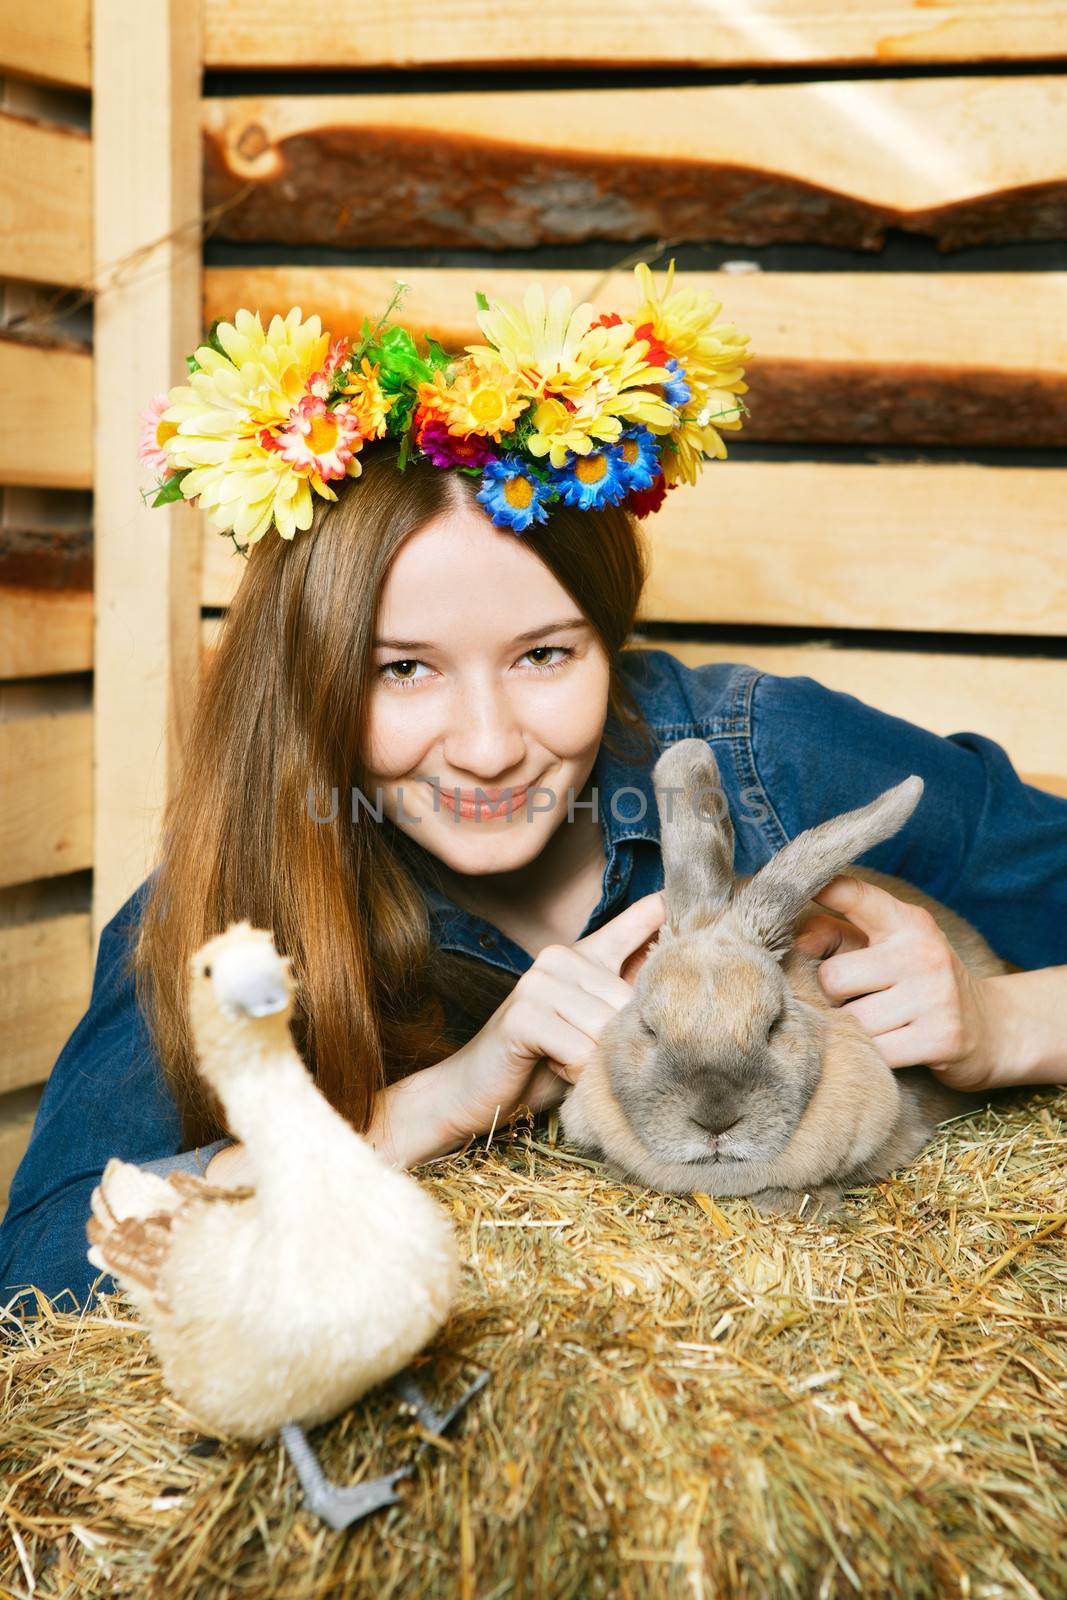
[(716, 1123)]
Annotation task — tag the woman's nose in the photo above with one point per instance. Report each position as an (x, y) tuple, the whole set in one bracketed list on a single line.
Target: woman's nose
[(485, 737)]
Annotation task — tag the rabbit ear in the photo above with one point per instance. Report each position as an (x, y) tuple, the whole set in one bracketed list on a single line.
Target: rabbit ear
[(768, 905), (696, 835)]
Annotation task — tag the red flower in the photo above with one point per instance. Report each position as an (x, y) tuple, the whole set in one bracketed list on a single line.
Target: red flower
[(658, 355), (644, 501)]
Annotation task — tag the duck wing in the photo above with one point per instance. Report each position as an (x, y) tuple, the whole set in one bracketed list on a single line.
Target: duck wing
[(133, 1214), (193, 1188)]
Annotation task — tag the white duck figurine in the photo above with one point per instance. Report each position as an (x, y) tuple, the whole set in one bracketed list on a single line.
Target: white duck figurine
[(276, 1305)]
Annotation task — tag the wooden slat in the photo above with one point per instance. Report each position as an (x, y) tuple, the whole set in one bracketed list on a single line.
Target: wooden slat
[(831, 163), (17, 1112), (46, 977), (46, 777), (146, 88), (1016, 700), (45, 201), (244, 34), (46, 43), (45, 630), (902, 357), (46, 583), (46, 416), (959, 549)]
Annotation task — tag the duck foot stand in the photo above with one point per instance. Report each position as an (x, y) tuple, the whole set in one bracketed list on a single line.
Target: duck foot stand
[(340, 1506)]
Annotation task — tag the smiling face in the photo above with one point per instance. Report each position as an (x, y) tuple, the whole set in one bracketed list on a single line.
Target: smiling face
[(476, 685)]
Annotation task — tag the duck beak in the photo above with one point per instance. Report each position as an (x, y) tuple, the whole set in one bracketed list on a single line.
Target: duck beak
[(250, 993), (272, 999)]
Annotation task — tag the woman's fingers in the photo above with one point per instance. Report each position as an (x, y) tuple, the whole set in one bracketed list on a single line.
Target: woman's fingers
[(569, 964), (626, 933), (894, 1007), (871, 908), (562, 1019), (864, 971), (823, 936), (903, 1047), (545, 1088)]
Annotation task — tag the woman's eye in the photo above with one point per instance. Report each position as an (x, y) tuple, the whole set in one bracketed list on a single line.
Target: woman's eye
[(400, 674), (403, 681), (550, 649)]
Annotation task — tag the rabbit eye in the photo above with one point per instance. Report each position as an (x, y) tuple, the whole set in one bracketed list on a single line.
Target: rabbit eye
[(650, 1031), (775, 1026)]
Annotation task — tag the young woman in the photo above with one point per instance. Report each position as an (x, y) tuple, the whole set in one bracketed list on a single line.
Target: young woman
[(456, 960), (422, 756)]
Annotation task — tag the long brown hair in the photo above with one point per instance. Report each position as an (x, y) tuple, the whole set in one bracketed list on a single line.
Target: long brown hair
[(280, 718)]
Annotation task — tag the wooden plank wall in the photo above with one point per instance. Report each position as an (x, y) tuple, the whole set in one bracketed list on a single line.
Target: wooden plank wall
[(46, 556), (879, 199), (99, 597)]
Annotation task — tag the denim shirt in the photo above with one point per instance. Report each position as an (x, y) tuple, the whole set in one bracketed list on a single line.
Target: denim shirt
[(790, 754)]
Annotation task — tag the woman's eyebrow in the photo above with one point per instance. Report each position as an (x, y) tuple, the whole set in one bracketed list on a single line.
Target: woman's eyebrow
[(520, 638)]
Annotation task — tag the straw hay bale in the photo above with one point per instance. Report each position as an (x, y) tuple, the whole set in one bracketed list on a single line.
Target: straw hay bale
[(687, 1400)]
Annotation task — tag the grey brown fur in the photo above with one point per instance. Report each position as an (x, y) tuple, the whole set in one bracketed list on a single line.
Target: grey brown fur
[(729, 1071)]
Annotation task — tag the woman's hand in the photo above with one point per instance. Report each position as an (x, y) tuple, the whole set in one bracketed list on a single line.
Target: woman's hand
[(891, 966), (229, 1167), (546, 1031)]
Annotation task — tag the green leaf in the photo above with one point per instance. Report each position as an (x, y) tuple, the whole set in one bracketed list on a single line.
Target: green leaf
[(213, 338), (399, 418), (480, 300), (439, 356), (170, 489), (193, 364)]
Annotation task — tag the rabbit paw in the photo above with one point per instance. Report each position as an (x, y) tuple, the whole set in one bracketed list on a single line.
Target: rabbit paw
[(822, 1200)]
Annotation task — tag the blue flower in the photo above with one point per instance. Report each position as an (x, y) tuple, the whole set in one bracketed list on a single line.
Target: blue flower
[(593, 480), (677, 392), (638, 453), (513, 497)]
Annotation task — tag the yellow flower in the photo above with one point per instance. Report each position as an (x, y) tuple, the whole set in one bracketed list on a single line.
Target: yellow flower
[(369, 403), (697, 435), (486, 400), (537, 342), (221, 412), (255, 489), (712, 353), (584, 377)]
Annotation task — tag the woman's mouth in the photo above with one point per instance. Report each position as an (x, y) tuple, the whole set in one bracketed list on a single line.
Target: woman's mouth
[(470, 804)]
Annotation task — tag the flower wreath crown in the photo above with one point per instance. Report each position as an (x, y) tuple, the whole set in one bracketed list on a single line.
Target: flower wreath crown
[(559, 405)]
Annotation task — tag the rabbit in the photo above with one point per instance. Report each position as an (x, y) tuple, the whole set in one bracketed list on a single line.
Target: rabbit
[(729, 1071)]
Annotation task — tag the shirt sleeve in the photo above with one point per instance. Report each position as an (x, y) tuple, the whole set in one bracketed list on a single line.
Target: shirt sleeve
[(980, 840), (106, 1096)]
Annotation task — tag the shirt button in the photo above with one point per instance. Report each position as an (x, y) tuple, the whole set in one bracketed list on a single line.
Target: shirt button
[(486, 941)]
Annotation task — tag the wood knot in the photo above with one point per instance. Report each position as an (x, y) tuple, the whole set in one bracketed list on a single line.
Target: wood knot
[(253, 142)]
